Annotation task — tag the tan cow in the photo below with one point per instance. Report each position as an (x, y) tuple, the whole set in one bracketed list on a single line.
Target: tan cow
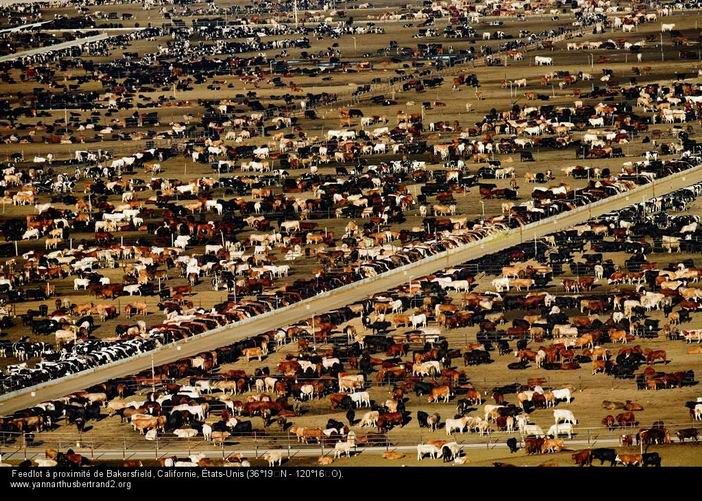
[(250, 353)]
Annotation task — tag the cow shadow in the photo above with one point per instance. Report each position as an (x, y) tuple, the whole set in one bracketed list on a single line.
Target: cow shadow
[(518, 366), (464, 412)]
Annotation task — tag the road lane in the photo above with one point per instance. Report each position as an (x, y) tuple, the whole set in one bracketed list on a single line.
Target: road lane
[(59, 46), (343, 296)]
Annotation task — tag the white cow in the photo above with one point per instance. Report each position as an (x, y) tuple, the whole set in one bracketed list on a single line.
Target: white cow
[(418, 320), (273, 458), (698, 412), (563, 394), (459, 424), (31, 233), (501, 284), (80, 283), (564, 415), (561, 429), (132, 289), (185, 433), (424, 449), (361, 399)]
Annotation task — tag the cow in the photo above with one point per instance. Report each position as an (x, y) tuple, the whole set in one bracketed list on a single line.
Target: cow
[(442, 393), (582, 458), (562, 394), (533, 445), (604, 454), (361, 399), (552, 445), (512, 445), (250, 353), (565, 416), (459, 424), (685, 433), (650, 459), (432, 450), (273, 458), (561, 429), (629, 459)]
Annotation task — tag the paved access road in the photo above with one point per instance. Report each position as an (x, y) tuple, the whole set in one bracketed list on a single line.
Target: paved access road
[(52, 48), (338, 298)]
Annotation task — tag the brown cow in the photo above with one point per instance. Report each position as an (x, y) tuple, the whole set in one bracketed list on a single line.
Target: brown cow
[(389, 419), (315, 434), (632, 406), (336, 399), (533, 445), (401, 320), (583, 458), (626, 419), (250, 353), (440, 392), (552, 445), (609, 422), (629, 459), (598, 366), (652, 356)]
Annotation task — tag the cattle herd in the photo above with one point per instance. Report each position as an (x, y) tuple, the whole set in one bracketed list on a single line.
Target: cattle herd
[(196, 167)]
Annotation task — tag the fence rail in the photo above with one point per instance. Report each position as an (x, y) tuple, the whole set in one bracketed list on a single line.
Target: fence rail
[(257, 444)]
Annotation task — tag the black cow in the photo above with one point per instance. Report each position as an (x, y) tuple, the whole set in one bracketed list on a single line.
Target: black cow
[(651, 459), (242, 428), (463, 407), (351, 416), (422, 388), (447, 454), (333, 423), (476, 357), (422, 419), (690, 433), (605, 454), (512, 444)]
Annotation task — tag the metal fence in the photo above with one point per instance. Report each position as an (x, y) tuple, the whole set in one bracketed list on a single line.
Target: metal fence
[(122, 446)]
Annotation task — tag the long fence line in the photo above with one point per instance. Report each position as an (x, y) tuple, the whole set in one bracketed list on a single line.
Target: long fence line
[(126, 447), (482, 384)]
